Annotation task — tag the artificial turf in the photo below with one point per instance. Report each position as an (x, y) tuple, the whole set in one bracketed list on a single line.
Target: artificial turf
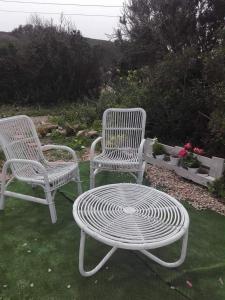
[(39, 260)]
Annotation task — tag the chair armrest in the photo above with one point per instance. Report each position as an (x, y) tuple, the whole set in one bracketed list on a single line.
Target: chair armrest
[(141, 150), (40, 168), (60, 147), (93, 146)]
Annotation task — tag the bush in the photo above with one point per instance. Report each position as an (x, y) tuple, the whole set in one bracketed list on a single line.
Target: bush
[(158, 149), (78, 115), (217, 188), (48, 64), (181, 97)]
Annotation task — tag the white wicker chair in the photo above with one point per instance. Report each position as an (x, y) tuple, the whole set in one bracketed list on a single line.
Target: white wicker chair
[(122, 143), (25, 158)]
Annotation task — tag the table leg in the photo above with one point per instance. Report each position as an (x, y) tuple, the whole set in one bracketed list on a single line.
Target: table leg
[(170, 264), (81, 258)]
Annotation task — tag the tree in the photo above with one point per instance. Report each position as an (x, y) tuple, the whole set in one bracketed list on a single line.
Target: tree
[(182, 44), (150, 29)]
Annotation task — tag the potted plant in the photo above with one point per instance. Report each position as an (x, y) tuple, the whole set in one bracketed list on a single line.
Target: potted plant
[(190, 161), (158, 150)]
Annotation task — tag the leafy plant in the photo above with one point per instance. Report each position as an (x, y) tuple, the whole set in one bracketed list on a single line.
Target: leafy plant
[(76, 143), (158, 149), (97, 125), (191, 161), (217, 188)]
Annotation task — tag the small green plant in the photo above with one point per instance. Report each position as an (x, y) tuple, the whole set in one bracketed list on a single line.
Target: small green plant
[(190, 161), (158, 149), (78, 143), (97, 125), (217, 188)]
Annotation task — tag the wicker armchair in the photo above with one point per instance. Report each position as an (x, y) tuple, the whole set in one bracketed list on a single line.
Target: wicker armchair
[(122, 144), (25, 158)]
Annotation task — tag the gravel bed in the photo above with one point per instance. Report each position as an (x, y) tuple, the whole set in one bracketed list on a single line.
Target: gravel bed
[(183, 190)]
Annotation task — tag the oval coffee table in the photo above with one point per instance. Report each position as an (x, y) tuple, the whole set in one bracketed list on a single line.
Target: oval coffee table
[(130, 216)]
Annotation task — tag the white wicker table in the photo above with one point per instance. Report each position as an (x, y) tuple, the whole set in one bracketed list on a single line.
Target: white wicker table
[(133, 217)]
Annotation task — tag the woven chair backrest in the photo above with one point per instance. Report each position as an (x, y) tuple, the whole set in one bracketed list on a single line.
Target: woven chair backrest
[(19, 140), (123, 128)]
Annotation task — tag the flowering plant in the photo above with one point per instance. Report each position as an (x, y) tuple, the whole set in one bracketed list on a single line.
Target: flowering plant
[(188, 156)]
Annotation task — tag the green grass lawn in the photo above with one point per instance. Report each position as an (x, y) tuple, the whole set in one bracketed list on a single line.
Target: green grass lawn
[(39, 260)]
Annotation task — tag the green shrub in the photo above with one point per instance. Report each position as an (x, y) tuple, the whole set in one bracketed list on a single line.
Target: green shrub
[(97, 125), (48, 64), (217, 188), (158, 149), (81, 115), (76, 143)]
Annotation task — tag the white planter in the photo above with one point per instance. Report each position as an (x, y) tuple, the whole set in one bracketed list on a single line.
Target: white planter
[(160, 157), (193, 170), (204, 175), (174, 160)]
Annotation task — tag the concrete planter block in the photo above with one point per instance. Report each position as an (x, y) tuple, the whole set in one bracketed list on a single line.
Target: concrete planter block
[(214, 164)]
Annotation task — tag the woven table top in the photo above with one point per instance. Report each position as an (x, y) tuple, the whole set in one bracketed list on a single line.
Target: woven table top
[(131, 216)]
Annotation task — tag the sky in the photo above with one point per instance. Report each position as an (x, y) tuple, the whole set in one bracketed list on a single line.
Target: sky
[(93, 27)]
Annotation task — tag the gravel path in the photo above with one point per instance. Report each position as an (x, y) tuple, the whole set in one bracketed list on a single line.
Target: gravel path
[(184, 190)]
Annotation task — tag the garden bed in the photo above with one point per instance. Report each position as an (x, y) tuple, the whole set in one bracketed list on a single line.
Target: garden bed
[(214, 166)]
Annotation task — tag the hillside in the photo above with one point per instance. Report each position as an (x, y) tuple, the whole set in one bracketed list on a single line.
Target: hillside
[(109, 53), (107, 50), (7, 37)]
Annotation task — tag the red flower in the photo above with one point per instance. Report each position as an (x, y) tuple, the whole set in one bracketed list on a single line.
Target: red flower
[(198, 151), (188, 146), (182, 152)]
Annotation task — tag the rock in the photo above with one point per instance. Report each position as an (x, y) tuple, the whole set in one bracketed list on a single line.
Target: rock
[(92, 133), (40, 120), (82, 133), (87, 133), (45, 128)]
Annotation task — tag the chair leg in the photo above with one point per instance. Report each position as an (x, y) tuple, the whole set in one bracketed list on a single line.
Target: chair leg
[(92, 177), (3, 187), (79, 186), (2, 198), (140, 177), (140, 174), (51, 205)]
